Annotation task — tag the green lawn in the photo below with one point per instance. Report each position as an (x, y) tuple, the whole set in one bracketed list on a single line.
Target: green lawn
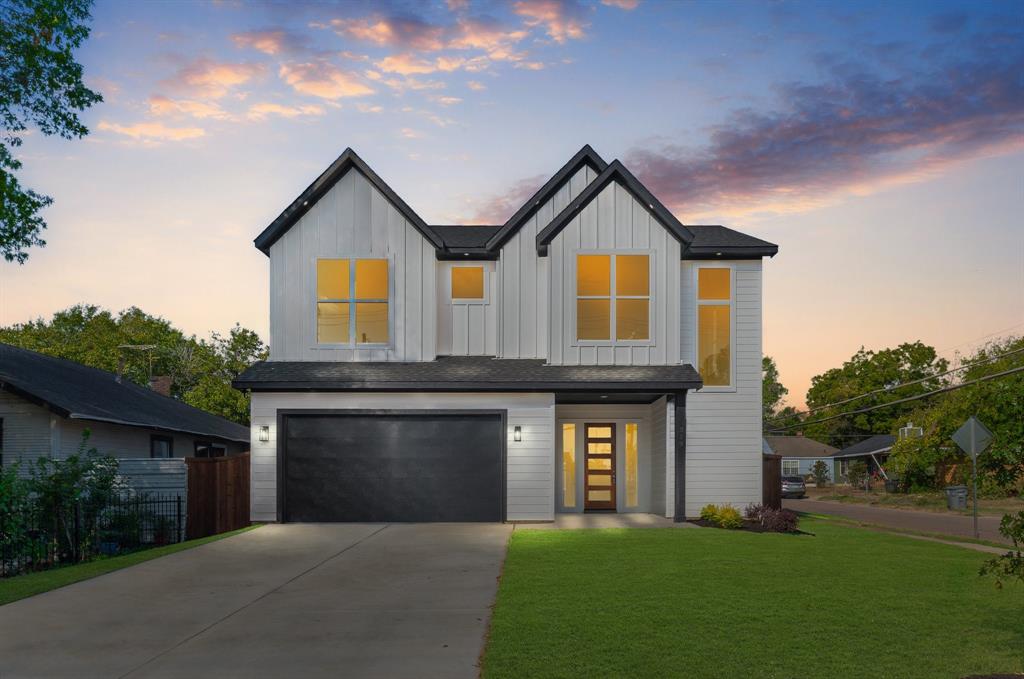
[(21, 586), (845, 602)]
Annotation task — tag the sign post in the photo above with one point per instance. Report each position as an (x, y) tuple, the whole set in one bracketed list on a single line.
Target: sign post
[(973, 438)]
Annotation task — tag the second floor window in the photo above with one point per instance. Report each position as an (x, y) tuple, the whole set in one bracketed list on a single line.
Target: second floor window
[(714, 325), (613, 297), (352, 301)]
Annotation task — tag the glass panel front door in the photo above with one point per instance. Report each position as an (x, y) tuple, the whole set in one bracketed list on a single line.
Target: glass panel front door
[(599, 479)]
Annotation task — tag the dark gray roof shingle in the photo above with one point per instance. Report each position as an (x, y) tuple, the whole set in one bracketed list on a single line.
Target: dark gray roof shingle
[(710, 239), (77, 391), (799, 446), (875, 444), (470, 236), (476, 373)]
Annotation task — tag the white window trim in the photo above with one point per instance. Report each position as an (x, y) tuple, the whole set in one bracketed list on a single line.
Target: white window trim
[(462, 300), (651, 320), (698, 303), (317, 344), (796, 473)]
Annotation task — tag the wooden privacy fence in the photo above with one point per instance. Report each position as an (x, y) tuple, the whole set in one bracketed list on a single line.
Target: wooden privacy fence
[(218, 495), (771, 481)]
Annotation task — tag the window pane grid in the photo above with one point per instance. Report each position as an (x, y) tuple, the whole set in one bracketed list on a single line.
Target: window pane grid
[(350, 305), (627, 303)]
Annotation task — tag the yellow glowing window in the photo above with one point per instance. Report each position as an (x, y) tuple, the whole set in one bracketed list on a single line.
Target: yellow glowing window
[(613, 295), (468, 282), (632, 463), (569, 465), (714, 326), (352, 301)]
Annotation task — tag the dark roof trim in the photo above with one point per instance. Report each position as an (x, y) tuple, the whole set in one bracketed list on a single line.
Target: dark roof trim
[(322, 184), (468, 254), (484, 386), (863, 453), (615, 171), (730, 252), (586, 156)]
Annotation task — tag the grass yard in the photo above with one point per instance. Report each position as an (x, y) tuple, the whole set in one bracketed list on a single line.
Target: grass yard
[(845, 602), (30, 584)]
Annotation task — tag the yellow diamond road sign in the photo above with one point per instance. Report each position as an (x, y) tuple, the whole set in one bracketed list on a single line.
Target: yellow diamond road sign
[(973, 437)]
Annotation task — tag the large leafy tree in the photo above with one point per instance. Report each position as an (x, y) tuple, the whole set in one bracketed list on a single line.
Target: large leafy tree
[(772, 391), (139, 345), (40, 87), (870, 371)]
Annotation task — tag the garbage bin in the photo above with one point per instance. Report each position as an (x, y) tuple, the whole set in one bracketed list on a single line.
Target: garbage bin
[(892, 485), (956, 497)]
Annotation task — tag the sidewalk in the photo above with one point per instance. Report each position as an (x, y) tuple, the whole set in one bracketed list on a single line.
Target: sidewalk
[(905, 519)]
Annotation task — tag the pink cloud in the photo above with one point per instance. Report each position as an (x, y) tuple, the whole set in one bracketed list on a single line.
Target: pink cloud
[(152, 132), (562, 19), (160, 105), (271, 41), (404, 32), (500, 207), (622, 4), (264, 109), (323, 79), (213, 79)]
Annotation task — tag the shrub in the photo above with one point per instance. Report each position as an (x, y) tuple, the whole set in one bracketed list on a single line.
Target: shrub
[(820, 473), (780, 520), (729, 517), (857, 473), (709, 513), (754, 512)]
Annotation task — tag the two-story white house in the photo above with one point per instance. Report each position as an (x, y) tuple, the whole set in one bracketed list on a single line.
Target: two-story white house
[(590, 354)]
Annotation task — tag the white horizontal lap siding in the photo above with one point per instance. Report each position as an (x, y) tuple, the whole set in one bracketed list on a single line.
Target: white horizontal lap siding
[(723, 429), (524, 279), (615, 221), (154, 476), (26, 431), (122, 441), (353, 220), (529, 463), (467, 329)]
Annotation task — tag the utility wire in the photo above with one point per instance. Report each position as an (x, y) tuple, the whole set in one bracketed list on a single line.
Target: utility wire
[(898, 386), (952, 387)]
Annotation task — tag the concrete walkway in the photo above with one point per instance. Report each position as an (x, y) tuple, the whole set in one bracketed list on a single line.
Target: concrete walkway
[(954, 525), (325, 600), (596, 520)]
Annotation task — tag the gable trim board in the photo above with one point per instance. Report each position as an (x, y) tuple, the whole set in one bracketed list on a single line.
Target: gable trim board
[(324, 183)]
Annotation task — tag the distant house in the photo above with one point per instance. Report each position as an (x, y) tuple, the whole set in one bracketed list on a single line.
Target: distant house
[(47, 403), (799, 453), (873, 452)]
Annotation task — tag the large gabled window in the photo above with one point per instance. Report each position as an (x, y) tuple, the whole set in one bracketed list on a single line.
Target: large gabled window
[(352, 301), (714, 325), (613, 297)]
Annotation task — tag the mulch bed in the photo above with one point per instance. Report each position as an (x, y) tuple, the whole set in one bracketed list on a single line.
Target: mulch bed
[(749, 526)]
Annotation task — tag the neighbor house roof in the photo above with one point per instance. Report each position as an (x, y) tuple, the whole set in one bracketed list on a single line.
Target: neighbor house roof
[(466, 373), (76, 391), (799, 446), (880, 443)]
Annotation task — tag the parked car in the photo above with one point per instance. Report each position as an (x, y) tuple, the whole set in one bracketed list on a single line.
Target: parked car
[(793, 486)]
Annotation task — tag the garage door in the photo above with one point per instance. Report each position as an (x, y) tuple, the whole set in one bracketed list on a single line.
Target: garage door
[(394, 467)]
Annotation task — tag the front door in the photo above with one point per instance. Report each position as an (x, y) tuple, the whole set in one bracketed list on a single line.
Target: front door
[(599, 479)]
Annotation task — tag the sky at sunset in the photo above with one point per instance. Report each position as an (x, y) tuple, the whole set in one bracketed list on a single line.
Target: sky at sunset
[(881, 145)]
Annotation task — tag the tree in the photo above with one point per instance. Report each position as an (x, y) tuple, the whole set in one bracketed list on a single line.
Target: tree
[(41, 87), (772, 391), (201, 370), (819, 470), (870, 371)]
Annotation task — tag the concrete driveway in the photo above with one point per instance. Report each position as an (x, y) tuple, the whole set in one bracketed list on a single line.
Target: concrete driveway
[(299, 600)]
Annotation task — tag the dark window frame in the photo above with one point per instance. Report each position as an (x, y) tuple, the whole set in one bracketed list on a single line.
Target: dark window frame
[(219, 449), (153, 438)]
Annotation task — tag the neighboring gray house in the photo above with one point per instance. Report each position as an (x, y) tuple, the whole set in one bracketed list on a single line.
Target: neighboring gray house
[(592, 353), (47, 403), (799, 453), (873, 452)]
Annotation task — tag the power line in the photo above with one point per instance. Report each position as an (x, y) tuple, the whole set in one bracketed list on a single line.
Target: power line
[(993, 334), (898, 386), (952, 387)]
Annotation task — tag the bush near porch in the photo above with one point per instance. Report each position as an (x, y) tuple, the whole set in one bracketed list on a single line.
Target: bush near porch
[(845, 602)]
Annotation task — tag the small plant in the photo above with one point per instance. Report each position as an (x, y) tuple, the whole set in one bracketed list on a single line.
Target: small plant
[(819, 470), (780, 520), (1010, 566), (753, 512), (729, 517), (709, 513), (857, 473)]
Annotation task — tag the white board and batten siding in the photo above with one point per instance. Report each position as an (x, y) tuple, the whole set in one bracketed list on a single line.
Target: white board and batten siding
[(353, 219), (467, 328), (615, 222), (524, 278), (723, 428), (529, 474)]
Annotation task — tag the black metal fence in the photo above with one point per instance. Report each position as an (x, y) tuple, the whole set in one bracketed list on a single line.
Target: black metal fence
[(45, 537)]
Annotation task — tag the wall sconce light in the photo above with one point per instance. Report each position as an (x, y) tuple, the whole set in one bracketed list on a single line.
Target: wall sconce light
[(517, 433), (264, 433)]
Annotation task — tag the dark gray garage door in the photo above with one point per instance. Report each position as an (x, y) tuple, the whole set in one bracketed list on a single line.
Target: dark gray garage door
[(393, 466)]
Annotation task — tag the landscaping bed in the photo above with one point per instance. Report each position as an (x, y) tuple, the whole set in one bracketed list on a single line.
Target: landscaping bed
[(749, 526)]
